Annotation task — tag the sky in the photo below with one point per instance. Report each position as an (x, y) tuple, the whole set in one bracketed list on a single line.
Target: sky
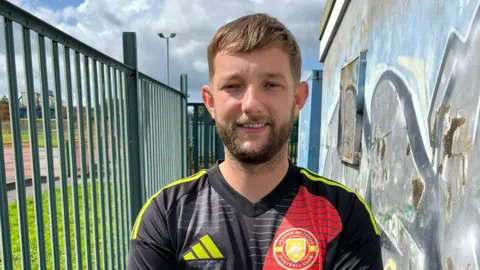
[(100, 24)]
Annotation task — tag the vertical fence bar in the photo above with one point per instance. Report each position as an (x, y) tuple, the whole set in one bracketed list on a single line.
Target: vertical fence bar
[(17, 144), (158, 155), (63, 162), (152, 125), (195, 138), (184, 126), (6, 255), (187, 123), (177, 122), (206, 137), (158, 128), (173, 114), (130, 58), (183, 132), (189, 158), (171, 117), (141, 121), (145, 130), (165, 143), (219, 151), (73, 158), (150, 157), (83, 163), (125, 200), (112, 84), (141, 136), (99, 119), (161, 126), (118, 149), (52, 204), (168, 125), (35, 157), (107, 162), (93, 173)]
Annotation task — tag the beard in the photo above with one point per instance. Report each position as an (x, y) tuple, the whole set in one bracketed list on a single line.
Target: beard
[(275, 143)]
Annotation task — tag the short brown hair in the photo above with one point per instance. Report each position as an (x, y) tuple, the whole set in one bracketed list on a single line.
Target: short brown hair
[(252, 32)]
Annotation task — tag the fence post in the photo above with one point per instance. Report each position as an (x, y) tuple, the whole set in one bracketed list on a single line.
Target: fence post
[(135, 180), (219, 149), (184, 90), (308, 145)]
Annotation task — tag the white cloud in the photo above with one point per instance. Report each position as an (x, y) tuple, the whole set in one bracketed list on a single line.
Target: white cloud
[(100, 24), (200, 66)]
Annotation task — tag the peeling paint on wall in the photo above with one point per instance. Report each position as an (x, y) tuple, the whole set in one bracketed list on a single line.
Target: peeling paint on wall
[(419, 168)]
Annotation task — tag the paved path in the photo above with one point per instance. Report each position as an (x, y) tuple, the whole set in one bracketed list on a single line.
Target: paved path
[(27, 162)]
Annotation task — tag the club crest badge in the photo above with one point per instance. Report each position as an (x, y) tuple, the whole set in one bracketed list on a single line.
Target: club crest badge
[(296, 248)]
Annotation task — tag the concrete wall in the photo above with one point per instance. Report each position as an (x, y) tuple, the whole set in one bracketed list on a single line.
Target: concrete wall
[(417, 113)]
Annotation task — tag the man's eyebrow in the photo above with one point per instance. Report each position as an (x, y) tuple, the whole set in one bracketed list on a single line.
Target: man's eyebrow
[(273, 75), (228, 77)]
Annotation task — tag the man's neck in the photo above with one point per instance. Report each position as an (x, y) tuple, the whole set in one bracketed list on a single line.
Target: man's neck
[(254, 181)]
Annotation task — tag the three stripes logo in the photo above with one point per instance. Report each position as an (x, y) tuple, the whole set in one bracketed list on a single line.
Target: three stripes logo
[(206, 249)]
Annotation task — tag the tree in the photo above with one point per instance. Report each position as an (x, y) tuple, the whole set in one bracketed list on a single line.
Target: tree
[(4, 100)]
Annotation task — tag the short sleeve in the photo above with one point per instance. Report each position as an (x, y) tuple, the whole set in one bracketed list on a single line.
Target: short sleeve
[(150, 240), (359, 245)]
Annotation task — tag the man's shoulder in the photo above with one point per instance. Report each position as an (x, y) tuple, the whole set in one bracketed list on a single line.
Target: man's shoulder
[(158, 204), (347, 202), (319, 185), (175, 190)]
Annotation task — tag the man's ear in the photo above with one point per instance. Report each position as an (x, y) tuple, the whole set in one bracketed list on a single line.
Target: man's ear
[(208, 100), (301, 96)]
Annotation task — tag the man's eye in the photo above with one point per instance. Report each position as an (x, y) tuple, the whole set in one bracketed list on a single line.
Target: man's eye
[(271, 85), (231, 86)]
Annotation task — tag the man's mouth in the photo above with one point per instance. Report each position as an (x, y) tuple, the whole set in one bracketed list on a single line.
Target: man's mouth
[(258, 125)]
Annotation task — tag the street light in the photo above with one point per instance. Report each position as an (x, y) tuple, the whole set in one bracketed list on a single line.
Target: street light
[(172, 35)]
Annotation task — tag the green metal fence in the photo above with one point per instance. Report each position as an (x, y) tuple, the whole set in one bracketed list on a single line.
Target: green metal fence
[(122, 139)]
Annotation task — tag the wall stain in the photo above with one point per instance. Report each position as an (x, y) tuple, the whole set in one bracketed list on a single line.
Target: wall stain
[(468, 145), (383, 149), (449, 263), (464, 175), (448, 138), (449, 197), (408, 150), (417, 191)]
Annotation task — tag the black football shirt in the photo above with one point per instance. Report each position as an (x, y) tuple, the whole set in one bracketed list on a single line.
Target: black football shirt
[(306, 222)]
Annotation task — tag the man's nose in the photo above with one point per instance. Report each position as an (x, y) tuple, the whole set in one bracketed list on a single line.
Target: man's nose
[(252, 100)]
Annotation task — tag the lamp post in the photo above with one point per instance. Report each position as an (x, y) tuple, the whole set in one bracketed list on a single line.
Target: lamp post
[(172, 35)]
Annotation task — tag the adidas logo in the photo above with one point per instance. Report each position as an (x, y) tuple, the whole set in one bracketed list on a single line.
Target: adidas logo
[(206, 249)]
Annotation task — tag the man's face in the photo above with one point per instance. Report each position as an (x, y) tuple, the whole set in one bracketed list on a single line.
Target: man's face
[(254, 100)]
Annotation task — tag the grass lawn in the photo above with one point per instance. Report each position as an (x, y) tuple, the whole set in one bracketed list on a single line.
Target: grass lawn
[(7, 139), (15, 233)]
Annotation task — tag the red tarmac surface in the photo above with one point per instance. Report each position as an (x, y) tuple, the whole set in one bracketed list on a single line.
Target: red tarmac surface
[(28, 165)]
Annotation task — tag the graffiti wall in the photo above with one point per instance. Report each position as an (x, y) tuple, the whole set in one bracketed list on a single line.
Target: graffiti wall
[(406, 136)]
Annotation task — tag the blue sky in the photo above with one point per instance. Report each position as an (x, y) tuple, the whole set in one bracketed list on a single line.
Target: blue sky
[(60, 4)]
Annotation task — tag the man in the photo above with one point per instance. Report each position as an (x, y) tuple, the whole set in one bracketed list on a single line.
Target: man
[(255, 209)]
